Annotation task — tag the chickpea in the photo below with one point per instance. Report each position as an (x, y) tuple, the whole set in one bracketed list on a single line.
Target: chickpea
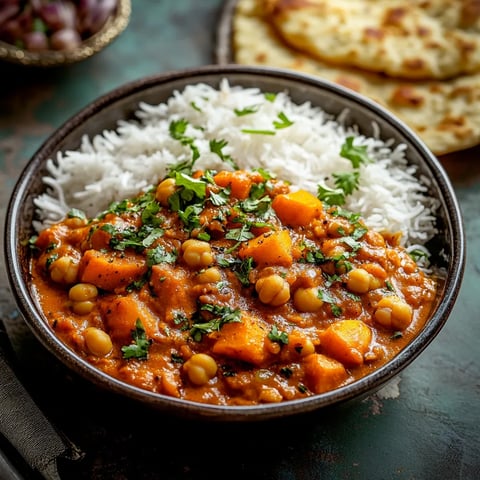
[(374, 238), (359, 280), (269, 395), (64, 270), (200, 368), (318, 229), (75, 222), (273, 290), (332, 248), (301, 345), (97, 341), (83, 308), (82, 291), (197, 253), (165, 190), (339, 227), (378, 275), (83, 297), (392, 312), (307, 299), (209, 275)]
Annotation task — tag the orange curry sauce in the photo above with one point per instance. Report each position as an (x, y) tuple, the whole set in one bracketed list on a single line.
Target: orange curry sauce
[(229, 288)]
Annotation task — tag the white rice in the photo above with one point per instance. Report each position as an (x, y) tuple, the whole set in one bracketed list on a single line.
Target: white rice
[(118, 164)]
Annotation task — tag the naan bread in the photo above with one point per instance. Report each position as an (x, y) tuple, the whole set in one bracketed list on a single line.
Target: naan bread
[(402, 39), (445, 114)]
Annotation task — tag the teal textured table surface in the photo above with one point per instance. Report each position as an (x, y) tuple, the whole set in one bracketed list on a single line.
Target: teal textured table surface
[(424, 425)]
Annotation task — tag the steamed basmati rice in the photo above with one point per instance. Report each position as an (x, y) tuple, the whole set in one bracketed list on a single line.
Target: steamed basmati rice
[(118, 164)]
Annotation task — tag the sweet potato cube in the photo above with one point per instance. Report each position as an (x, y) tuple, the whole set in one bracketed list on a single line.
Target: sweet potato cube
[(347, 341), (297, 208), (109, 271), (172, 292), (323, 373), (243, 340), (272, 248), (121, 314), (239, 182)]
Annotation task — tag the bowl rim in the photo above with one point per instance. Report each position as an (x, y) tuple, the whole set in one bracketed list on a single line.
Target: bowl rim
[(362, 387), (113, 27)]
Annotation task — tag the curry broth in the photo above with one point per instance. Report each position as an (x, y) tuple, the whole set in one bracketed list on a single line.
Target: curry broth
[(229, 288)]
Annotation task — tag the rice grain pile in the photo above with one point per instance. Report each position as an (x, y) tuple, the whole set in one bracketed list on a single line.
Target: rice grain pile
[(118, 164)]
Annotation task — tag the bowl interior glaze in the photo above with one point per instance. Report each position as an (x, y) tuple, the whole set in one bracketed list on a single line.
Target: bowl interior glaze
[(448, 247)]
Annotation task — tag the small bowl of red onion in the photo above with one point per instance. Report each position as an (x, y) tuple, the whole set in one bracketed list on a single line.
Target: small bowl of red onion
[(48, 33)]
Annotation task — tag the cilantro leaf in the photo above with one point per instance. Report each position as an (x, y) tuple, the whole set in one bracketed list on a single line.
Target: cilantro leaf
[(160, 255), (76, 213), (216, 146), (356, 154), (331, 196), (222, 315), (246, 111), (177, 130), (278, 336), (347, 181), (283, 123), (270, 96), (241, 268), (194, 185), (139, 348)]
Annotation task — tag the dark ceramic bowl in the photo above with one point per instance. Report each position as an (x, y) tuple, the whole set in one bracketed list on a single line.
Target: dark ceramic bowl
[(114, 26), (448, 247)]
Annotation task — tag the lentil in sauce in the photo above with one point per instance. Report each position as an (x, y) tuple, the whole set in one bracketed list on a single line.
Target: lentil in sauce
[(229, 288)]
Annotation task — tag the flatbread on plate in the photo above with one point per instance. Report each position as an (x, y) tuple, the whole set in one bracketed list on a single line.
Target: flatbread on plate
[(412, 40), (445, 114)]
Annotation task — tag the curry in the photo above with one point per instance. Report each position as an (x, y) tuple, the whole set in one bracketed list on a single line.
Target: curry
[(229, 288)]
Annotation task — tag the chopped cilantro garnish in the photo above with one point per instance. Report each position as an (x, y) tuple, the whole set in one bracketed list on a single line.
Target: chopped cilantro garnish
[(76, 213), (302, 388), (327, 297), (283, 122), (178, 131), (139, 348), (246, 111), (258, 132), (217, 146), (275, 335), (241, 268), (160, 255), (176, 358), (419, 255), (345, 182), (241, 234), (331, 196), (270, 96), (389, 285), (192, 186), (356, 154), (222, 315)]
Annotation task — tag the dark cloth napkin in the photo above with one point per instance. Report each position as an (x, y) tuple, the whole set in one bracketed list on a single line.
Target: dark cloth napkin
[(25, 426)]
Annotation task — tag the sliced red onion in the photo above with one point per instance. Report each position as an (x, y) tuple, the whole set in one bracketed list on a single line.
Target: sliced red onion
[(66, 22), (8, 11), (65, 39), (93, 14), (35, 41), (58, 15)]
